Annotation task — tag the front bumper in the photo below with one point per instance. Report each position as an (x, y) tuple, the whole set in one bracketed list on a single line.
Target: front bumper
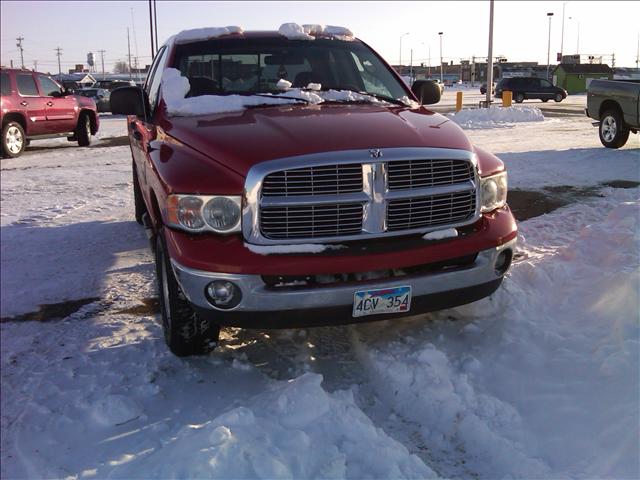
[(264, 306)]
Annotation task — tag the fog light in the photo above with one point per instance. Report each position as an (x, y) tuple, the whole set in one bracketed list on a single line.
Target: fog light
[(503, 262), (223, 294)]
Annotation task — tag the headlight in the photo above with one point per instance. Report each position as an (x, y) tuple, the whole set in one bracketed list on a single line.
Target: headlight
[(493, 192), (204, 213)]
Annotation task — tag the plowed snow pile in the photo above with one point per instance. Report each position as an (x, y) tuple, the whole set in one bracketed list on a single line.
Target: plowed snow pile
[(496, 116)]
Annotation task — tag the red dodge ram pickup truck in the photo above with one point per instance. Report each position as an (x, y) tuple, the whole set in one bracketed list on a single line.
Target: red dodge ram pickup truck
[(34, 106), (291, 178)]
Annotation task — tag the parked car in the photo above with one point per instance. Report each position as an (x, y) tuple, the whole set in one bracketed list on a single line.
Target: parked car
[(98, 95), (35, 106), (483, 88), (360, 207), (614, 104), (527, 88), (113, 84)]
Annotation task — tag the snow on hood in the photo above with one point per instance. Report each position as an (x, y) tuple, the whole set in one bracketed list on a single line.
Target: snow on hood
[(496, 116), (175, 88), (293, 31)]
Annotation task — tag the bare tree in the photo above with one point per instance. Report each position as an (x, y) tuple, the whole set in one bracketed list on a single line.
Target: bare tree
[(120, 67)]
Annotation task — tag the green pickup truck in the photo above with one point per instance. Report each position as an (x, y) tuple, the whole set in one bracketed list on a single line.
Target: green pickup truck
[(614, 104)]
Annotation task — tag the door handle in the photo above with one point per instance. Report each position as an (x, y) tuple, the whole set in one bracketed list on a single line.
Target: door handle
[(23, 103), (49, 104)]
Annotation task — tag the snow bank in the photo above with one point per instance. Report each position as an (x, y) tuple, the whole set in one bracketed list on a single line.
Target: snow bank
[(495, 116), (542, 379), (292, 430), (175, 87)]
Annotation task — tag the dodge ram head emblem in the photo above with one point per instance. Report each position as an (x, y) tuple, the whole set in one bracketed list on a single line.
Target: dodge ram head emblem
[(375, 153)]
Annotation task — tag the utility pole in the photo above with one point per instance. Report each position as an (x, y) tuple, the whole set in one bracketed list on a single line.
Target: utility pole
[(102, 52), (153, 50), (19, 45), (613, 61), (638, 52), (58, 54), (155, 24), (490, 58), (429, 61), (129, 53), (35, 65)]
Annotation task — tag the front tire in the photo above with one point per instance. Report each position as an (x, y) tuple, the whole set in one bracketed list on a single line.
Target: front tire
[(13, 140), (519, 98), (545, 100), (185, 332), (613, 132), (558, 98), (83, 130)]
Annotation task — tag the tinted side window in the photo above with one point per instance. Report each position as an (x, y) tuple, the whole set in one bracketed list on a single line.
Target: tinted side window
[(153, 83), (49, 87), (27, 85), (5, 84)]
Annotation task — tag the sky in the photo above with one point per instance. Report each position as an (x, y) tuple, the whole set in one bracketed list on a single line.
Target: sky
[(520, 28)]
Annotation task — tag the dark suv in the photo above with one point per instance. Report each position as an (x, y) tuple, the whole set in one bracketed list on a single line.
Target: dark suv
[(526, 88), (34, 106)]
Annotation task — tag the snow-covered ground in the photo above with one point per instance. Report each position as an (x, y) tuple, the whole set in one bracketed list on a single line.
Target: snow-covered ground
[(539, 381)]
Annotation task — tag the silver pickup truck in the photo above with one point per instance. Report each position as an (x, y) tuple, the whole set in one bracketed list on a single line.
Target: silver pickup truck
[(614, 104)]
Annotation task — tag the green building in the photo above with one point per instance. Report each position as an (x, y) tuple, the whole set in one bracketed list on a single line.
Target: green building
[(575, 77)]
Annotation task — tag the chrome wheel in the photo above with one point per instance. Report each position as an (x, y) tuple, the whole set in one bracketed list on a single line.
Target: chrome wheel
[(14, 140), (608, 128)]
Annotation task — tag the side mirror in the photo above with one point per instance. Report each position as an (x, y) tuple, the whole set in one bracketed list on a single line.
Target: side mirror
[(58, 94), (129, 101), (426, 91)]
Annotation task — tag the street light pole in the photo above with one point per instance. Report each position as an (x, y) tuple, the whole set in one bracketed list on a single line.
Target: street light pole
[(562, 35), (490, 58), (441, 71), (549, 14), (400, 56)]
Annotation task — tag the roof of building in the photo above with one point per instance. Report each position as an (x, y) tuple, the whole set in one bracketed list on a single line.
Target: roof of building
[(582, 68)]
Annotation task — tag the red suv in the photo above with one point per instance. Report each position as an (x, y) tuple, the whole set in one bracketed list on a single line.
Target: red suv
[(34, 106), (296, 180)]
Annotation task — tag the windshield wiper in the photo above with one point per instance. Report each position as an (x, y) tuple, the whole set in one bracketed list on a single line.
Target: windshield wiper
[(244, 93), (384, 98)]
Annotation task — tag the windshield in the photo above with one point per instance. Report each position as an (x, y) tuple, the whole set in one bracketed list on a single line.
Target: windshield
[(251, 66)]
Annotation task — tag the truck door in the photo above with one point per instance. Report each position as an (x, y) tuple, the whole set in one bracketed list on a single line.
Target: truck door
[(31, 104), (61, 110)]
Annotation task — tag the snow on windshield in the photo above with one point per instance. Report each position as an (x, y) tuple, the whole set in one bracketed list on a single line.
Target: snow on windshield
[(175, 88)]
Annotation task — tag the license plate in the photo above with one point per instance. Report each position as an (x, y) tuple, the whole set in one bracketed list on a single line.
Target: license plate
[(385, 300)]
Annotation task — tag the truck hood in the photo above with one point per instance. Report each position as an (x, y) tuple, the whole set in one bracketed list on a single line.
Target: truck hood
[(239, 140)]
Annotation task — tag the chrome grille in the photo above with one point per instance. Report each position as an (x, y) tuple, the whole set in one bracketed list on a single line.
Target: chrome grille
[(428, 173), (430, 211), (359, 194), (320, 180), (311, 221)]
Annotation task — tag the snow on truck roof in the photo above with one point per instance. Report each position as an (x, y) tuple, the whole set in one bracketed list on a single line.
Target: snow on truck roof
[(292, 31)]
